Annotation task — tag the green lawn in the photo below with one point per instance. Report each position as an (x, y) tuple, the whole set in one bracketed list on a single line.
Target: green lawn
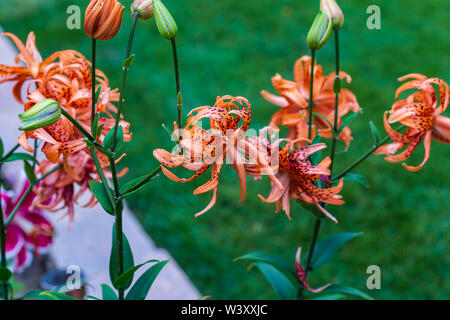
[(234, 47)]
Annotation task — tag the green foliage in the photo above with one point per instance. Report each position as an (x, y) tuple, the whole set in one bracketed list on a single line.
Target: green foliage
[(326, 248), (278, 280), (100, 194), (144, 283), (128, 261)]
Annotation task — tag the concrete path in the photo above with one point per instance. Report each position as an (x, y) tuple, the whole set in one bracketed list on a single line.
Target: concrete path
[(88, 244)]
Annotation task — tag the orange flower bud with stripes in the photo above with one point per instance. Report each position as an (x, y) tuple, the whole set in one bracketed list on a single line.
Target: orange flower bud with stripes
[(103, 19)]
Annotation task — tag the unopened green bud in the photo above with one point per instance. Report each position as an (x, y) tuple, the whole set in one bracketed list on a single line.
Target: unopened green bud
[(320, 31), (144, 9), (42, 114), (332, 8), (164, 21)]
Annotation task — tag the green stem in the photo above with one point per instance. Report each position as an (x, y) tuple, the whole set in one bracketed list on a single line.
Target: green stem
[(336, 101), (177, 80), (101, 174), (94, 45), (124, 78), (311, 98), (3, 245), (10, 152), (86, 134), (118, 219), (364, 156), (25, 194)]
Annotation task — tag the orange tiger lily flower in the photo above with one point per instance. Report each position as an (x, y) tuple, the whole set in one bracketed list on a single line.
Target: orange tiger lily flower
[(204, 149), (420, 112), (298, 176), (294, 98)]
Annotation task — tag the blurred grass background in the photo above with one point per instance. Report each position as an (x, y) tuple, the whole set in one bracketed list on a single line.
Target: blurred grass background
[(235, 47)]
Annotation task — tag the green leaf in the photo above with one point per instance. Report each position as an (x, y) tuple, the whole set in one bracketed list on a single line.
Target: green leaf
[(278, 280), (321, 296), (326, 248), (128, 61), (125, 277), (5, 274), (144, 283), (46, 295), (128, 261), (108, 141), (29, 171), (375, 133), (99, 130), (273, 260), (347, 121), (108, 293), (335, 288), (1, 148), (20, 156), (133, 182), (95, 125), (326, 120), (100, 194), (357, 178)]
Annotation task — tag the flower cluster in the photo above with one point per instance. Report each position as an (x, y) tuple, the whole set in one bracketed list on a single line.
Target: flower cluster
[(66, 78), (290, 170)]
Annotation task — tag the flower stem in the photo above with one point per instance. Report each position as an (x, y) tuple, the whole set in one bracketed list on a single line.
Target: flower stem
[(311, 90), (364, 156), (336, 101), (124, 78), (25, 194), (177, 80), (86, 134), (94, 45), (3, 245)]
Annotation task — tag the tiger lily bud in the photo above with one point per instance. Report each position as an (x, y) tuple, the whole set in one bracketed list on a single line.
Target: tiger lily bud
[(164, 21), (103, 19), (320, 31), (42, 114), (144, 9), (332, 8)]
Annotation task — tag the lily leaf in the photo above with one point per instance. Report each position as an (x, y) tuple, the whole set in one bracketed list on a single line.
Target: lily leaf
[(100, 194), (144, 283), (29, 171), (326, 248), (128, 260), (20, 156), (125, 277), (357, 178), (278, 280), (375, 133), (130, 184), (271, 259), (108, 293), (348, 120)]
